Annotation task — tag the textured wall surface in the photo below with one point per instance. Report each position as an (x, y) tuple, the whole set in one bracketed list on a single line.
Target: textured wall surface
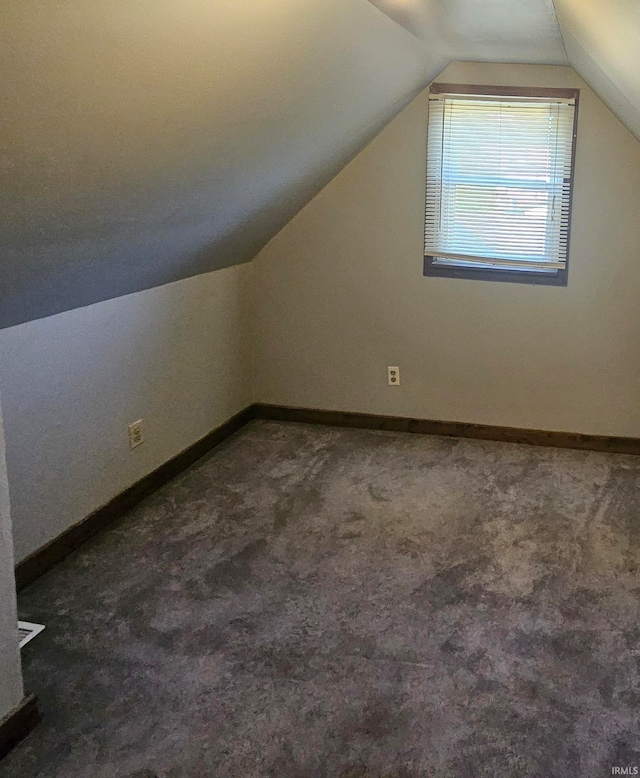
[(177, 356), (339, 293)]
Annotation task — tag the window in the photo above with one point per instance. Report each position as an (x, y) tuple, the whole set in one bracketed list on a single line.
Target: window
[(499, 183)]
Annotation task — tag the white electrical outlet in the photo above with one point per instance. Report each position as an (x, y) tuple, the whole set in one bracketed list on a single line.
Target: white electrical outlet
[(136, 433), (393, 375)]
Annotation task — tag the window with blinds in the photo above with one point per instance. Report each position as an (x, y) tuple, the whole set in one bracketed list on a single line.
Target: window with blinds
[(499, 182)]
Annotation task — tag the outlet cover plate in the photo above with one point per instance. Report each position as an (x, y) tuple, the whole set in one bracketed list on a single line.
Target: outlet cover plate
[(136, 433)]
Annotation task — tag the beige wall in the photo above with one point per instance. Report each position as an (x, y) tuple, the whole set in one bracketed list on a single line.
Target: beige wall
[(339, 293), (10, 675), (177, 356), (142, 143), (334, 298)]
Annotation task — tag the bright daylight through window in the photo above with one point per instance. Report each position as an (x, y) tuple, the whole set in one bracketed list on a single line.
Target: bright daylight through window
[(499, 182)]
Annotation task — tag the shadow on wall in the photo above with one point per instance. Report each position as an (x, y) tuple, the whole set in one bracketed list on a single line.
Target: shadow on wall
[(177, 153), (176, 356)]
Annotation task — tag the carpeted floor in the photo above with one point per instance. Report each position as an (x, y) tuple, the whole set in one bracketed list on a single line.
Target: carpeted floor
[(310, 602)]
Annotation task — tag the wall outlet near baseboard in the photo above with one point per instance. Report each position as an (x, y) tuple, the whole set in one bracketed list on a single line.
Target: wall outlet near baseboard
[(136, 433), (393, 375)]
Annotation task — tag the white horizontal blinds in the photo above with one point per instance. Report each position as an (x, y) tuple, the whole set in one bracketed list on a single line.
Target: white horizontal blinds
[(499, 181)]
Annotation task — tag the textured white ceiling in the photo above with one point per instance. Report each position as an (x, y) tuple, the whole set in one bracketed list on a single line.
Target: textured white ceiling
[(524, 31), (600, 39)]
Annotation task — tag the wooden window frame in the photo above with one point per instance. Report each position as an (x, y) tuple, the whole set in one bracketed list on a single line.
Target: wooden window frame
[(540, 278)]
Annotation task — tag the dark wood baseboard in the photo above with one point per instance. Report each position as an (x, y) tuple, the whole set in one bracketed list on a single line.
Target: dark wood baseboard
[(53, 552), (56, 550), (453, 429), (17, 724)]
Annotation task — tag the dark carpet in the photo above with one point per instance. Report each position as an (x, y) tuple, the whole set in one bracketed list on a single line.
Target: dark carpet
[(309, 601)]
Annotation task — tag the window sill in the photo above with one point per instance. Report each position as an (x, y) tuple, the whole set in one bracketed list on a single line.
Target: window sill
[(484, 274)]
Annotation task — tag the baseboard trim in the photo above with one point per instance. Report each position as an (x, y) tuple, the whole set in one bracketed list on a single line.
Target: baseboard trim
[(452, 429), (53, 552), (18, 723)]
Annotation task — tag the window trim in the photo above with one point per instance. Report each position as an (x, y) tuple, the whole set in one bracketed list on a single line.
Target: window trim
[(499, 274)]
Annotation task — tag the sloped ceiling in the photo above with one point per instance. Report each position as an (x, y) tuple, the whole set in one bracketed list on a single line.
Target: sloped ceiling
[(523, 31), (600, 39), (144, 142)]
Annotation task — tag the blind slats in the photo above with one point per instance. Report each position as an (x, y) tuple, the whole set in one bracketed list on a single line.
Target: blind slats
[(499, 177)]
